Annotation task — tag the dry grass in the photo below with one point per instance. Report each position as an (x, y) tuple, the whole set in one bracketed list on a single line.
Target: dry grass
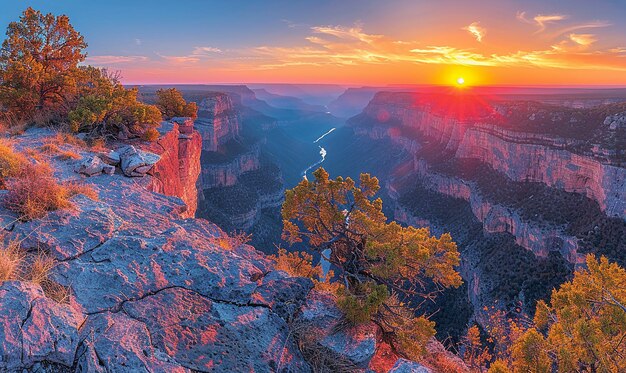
[(11, 162), (97, 144), (33, 154), (17, 265), (151, 135), (11, 257), (68, 155), (10, 124), (232, 241), (63, 138), (40, 268), (74, 188), (49, 148), (320, 358), (35, 192)]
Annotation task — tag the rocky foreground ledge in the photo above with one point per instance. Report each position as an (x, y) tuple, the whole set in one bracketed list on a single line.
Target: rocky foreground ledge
[(151, 291)]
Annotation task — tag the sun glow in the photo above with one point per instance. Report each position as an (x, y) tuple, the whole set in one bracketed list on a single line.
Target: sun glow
[(460, 81)]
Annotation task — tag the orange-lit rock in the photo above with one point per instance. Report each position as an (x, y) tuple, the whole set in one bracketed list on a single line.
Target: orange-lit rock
[(177, 172)]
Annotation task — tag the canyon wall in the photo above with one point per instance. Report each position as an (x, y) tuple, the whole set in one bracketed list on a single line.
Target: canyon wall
[(526, 189), (177, 172), (523, 156), (236, 183), (217, 122)]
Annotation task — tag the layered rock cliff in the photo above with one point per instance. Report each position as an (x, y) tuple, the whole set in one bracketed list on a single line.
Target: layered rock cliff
[(217, 122), (176, 174), (505, 177), (238, 187)]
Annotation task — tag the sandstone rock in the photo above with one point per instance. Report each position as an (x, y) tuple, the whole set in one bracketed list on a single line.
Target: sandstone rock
[(356, 344), (111, 158), (115, 342), (108, 169), (71, 232), (217, 122), (177, 172), (282, 293), (209, 335), (34, 328), (407, 366), (91, 166), (136, 162)]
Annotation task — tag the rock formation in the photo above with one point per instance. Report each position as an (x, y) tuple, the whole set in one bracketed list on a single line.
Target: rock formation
[(505, 177), (150, 290), (178, 170), (237, 184)]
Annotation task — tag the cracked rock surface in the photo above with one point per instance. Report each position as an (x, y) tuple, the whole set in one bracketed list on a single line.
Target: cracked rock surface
[(150, 291)]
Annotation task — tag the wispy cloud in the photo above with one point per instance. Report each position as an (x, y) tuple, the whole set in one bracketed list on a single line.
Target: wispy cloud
[(347, 33), (330, 46), (584, 40), (201, 51), (112, 60), (581, 26), (543, 20), (180, 59), (477, 30)]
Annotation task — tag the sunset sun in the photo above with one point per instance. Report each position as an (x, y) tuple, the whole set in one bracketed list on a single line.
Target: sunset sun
[(460, 81)]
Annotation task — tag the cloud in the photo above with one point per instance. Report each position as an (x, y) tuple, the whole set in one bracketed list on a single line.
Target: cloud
[(584, 40), (347, 33), (180, 59), (475, 29), (112, 60), (200, 51), (137, 41), (196, 55), (330, 46), (541, 20), (581, 26)]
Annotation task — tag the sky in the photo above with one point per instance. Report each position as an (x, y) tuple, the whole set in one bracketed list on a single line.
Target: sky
[(352, 42)]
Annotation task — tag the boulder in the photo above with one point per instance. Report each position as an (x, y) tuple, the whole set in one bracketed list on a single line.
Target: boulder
[(284, 294), (111, 158), (91, 166), (114, 342), (408, 366), (354, 344), (136, 163), (34, 328)]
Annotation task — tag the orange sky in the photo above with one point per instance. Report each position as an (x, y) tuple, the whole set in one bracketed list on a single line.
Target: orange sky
[(356, 42), (554, 54)]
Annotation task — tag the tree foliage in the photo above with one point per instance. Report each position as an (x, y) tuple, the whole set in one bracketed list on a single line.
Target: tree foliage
[(386, 270), (172, 104), (38, 60), (581, 329), (105, 107), (41, 81)]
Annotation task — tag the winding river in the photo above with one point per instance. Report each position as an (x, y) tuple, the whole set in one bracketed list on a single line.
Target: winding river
[(323, 259), (322, 154)]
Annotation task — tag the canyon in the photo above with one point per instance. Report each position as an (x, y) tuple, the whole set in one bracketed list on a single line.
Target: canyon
[(505, 178), (524, 201), (150, 289), (527, 186)]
